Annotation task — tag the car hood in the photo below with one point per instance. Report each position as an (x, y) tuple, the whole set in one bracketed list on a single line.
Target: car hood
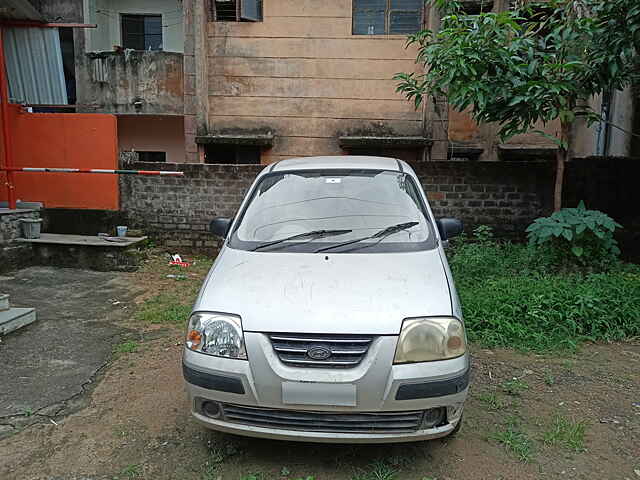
[(326, 293)]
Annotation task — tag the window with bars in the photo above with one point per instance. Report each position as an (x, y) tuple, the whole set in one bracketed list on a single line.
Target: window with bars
[(237, 10), (142, 32), (387, 17)]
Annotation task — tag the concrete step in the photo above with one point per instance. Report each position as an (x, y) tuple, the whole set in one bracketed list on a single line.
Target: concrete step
[(4, 302), (15, 318)]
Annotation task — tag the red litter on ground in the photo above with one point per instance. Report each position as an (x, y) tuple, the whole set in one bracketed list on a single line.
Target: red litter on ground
[(177, 260)]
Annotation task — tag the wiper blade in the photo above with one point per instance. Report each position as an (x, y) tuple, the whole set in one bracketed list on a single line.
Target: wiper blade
[(313, 234), (394, 228), (385, 232)]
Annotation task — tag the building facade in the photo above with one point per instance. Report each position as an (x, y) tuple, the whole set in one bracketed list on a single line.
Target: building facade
[(300, 80), (255, 81)]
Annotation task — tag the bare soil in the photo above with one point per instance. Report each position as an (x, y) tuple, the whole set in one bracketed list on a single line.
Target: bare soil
[(136, 422)]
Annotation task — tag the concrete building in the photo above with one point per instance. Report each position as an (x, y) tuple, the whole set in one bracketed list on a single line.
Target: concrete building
[(301, 80), (130, 65), (255, 81)]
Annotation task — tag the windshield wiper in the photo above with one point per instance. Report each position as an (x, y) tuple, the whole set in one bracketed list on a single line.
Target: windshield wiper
[(385, 232), (313, 235)]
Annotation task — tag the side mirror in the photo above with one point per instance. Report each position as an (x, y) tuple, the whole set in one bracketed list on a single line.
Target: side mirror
[(220, 226), (449, 227)]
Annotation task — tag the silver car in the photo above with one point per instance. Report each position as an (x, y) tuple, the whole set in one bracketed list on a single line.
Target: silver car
[(330, 314)]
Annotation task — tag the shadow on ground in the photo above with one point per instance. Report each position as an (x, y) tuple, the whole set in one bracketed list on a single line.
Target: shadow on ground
[(48, 364)]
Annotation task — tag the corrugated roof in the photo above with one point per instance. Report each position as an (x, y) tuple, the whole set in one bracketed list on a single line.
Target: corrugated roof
[(34, 66)]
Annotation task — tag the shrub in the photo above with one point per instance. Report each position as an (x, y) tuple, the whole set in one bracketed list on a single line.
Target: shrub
[(584, 236), (480, 256), (514, 296)]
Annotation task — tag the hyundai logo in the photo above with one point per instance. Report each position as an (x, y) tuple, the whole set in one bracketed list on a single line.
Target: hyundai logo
[(319, 353)]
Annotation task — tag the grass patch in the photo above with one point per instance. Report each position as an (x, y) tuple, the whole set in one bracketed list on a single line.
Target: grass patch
[(518, 296), (515, 440), (492, 401), (131, 471), (176, 289), (566, 433), (514, 387), (549, 379), (126, 347), (379, 470), (164, 308)]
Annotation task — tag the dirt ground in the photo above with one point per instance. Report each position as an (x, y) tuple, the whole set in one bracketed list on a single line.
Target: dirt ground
[(528, 417)]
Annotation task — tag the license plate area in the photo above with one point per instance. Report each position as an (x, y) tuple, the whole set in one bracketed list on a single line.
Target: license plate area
[(313, 393)]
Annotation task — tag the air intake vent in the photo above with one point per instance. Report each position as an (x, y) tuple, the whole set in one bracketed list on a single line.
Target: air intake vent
[(378, 422)]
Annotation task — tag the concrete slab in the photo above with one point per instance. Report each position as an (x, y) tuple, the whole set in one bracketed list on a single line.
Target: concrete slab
[(84, 240), (9, 211), (15, 318), (47, 364), (4, 301)]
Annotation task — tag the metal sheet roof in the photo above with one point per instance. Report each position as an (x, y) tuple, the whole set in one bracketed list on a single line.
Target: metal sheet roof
[(34, 66)]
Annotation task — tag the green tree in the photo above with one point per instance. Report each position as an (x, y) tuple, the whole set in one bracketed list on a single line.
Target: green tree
[(536, 62)]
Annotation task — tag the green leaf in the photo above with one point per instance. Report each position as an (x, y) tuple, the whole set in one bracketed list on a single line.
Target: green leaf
[(577, 251), (568, 234)]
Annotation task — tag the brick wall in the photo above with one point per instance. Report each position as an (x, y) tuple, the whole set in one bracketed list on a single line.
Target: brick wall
[(176, 211), (12, 253), (505, 196)]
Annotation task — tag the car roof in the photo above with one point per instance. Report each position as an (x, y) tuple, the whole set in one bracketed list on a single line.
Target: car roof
[(339, 162)]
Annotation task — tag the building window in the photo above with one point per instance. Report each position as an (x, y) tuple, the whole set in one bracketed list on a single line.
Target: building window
[(231, 154), (476, 7), (152, 156), (142, 32), (387, 17), (237, 10)]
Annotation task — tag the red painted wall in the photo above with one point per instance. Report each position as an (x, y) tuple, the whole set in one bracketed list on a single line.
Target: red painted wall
[(64, 140)]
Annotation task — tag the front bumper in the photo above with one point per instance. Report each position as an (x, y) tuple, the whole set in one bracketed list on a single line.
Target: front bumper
[(380, 386), (323, 437)]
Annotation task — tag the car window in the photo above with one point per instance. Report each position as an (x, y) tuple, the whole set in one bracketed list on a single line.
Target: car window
[(363, 202)]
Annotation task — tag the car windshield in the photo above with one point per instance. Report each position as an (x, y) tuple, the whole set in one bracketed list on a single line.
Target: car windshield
[(307, 211)]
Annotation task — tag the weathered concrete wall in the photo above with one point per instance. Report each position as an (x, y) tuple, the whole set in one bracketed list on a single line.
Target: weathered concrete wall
[(302, 75), (196, 86), (107, 16), (162, 133), (61, 11), (130, 82), (14, 254)]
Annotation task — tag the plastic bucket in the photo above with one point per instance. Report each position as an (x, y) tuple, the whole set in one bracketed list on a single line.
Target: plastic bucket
[(121, 230), (31, 227)]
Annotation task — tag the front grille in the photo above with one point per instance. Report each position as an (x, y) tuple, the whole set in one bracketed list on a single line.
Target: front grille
[(380, 422), (297, 349)]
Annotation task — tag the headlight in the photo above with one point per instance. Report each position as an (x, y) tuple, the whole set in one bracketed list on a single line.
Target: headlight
[(216, 334), (429, 339)]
